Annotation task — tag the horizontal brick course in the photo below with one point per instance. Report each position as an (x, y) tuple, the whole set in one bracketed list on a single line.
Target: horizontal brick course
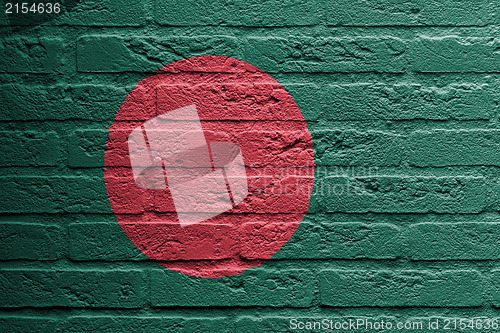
[(401, 288), (455, 54), (454, 147), (29, 324), (452, 241), (32, 241), (396, 194), (96, 102), (104, 13), (72, 288), (327, 240), (53, 195), (106, 241), (33, 55), (404, 101), (100, 241), (30, 148), (356, 148), (115, 54), (284, 288), (345, 55)]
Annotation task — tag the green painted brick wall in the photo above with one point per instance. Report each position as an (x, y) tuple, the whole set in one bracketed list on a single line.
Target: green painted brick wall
[(402, 101)]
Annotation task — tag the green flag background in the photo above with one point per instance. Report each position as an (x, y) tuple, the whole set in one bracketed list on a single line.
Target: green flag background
[(402, 101)]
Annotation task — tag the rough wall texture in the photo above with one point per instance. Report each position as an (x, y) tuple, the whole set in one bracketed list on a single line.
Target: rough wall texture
[(402, 102)]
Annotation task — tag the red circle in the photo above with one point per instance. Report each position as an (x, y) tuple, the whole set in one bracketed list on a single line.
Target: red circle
[(238, 103)]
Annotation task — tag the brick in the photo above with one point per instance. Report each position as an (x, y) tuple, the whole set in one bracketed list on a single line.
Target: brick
[(53, 195), (415, 13), (101, 241), (85, 95), (230, 102), (30, 148), (72, 288), (283, 288), (404, 101), (31, 241), (453, 241), (96, 102), (147, 324), (104, 13), (355, 148), (33, 55), (30, 324), (400, 194), (24, 102), (87, 148), (459, 288), (110, 54), (115, 54), (203, 241), (330, 54), (271, 13), (454, 147), (453, 54), (324, 241), (107, 241)]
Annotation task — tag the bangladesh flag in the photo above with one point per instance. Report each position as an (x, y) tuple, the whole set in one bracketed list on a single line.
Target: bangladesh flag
[(249, 166)]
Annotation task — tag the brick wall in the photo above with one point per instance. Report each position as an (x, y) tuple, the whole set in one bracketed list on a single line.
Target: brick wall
[(401, 99)]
